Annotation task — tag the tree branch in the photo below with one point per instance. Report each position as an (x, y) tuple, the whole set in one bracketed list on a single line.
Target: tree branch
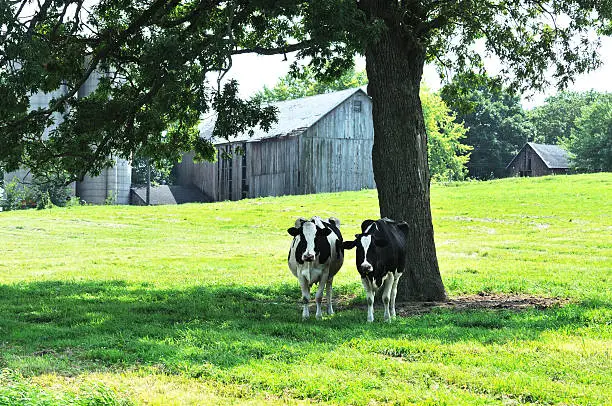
[(274, 51), (104, 50)]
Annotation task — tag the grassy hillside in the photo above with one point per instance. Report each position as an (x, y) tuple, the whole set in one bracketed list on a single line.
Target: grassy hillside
[(195, 304)]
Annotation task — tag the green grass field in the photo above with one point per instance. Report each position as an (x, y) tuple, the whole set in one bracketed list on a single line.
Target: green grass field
[(195, 304)]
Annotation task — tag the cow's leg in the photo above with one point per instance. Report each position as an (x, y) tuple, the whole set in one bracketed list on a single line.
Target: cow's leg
[(394, 293), (305, 297), (319, 294), (386, 294), (369, 297), (329, 290)]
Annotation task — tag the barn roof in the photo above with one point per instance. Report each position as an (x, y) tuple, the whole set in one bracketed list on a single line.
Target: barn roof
[(553, 156), (294, 116)]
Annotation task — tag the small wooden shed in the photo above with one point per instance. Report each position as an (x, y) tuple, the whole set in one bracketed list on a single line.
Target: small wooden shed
[(539, 160), (320, 144)]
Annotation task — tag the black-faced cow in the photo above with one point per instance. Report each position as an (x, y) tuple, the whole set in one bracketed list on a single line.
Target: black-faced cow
[(380, 260), (315, 256)]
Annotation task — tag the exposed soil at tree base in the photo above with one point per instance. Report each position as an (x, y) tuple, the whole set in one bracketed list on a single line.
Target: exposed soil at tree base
[(482, 301)]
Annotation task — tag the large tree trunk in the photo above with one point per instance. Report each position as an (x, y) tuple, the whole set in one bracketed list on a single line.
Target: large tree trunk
[(395, 66)]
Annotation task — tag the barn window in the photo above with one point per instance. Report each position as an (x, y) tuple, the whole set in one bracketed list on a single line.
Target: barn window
[(357, 105)]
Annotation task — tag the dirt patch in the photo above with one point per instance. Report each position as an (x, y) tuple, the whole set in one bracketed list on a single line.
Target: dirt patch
[(482, 301)]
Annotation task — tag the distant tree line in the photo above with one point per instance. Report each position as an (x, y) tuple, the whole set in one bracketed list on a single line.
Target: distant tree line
[(305, 83)]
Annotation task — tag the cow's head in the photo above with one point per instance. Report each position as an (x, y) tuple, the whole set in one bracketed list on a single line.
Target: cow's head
[(312, 240), (367, 244)]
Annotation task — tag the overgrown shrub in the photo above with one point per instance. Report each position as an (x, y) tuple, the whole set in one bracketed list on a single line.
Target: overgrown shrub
[(38, 194)]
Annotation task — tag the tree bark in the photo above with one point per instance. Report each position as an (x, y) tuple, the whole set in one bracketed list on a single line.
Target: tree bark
[(394, 65)]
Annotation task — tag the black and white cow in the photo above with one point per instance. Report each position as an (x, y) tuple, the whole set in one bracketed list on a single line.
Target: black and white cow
[(315, 256), (381, 255)]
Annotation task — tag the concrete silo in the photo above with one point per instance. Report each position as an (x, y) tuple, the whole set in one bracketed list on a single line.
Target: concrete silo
[(113, 184)]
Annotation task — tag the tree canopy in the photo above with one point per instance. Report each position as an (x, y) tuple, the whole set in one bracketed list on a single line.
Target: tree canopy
[(590, 142), (294, 86), (555, 120), (160, 58)]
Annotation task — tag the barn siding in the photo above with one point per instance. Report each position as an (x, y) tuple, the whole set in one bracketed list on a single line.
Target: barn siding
[(229, 171), (213, 178), (202, 175), (336, 152), (272, 167)]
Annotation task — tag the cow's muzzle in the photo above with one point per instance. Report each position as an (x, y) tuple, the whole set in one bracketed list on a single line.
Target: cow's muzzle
[(308, 257), (366, 268)]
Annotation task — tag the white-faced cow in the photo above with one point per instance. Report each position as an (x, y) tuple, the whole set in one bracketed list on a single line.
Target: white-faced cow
[(381, 255), (316, 255)]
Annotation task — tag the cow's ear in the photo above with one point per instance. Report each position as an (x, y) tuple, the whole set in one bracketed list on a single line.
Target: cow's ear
[(403, 226), (381, 242), (293, 231), (323, 232), (300, 222), (334, 221), (348, 245), (365, 225)]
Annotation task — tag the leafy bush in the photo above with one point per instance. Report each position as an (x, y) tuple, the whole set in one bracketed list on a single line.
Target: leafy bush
[(38, 194), (14, 197)]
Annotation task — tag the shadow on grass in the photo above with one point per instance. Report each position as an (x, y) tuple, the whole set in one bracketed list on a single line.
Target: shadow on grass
[(69, 328)]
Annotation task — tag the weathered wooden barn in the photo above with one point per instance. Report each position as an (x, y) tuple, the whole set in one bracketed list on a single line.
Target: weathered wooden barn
[(539, 160), (320, 144)]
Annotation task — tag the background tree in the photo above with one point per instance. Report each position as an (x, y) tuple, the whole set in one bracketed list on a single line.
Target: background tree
[(446, 152), (590, 144), (497, 125), (157, 54), (556, 118), (306, 83), (161, 171)]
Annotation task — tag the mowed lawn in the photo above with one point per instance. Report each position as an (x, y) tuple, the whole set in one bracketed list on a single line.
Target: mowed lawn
[(195, 304)]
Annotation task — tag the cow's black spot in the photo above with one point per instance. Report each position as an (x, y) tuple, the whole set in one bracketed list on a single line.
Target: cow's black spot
[(301, 247), (322, 248)]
